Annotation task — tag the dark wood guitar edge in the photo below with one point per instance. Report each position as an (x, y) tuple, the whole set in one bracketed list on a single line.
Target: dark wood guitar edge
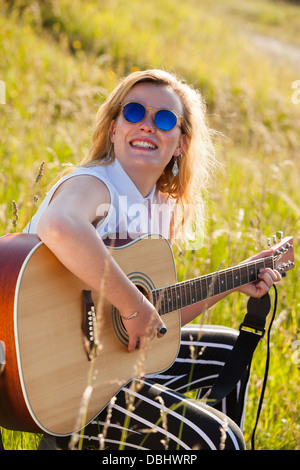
[(14, 248)]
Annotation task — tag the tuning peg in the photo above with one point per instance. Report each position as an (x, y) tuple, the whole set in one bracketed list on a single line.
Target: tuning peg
[(285, 266), (269, 242), (274, 239), (280, 234)]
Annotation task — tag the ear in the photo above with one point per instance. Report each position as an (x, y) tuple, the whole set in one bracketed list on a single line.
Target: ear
[(180, 146), (112, 130)]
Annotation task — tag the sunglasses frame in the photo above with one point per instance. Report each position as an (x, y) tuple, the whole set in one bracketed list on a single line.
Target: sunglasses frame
[(147, 108)]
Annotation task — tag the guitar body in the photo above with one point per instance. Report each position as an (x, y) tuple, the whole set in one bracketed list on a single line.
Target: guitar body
[(41, 313)]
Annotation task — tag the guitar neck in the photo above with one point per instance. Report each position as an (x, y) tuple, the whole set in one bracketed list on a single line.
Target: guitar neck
[(176, 296)]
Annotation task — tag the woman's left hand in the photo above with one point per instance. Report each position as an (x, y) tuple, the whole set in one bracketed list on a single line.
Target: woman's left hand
[(267, 277)]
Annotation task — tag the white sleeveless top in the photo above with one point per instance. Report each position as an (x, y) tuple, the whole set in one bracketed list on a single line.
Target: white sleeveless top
[(129, 214)]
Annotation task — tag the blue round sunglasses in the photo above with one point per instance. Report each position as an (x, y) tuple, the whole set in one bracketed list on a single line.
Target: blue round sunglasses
[(164, 119)]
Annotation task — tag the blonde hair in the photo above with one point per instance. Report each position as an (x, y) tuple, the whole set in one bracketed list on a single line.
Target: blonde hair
[(188, 187)]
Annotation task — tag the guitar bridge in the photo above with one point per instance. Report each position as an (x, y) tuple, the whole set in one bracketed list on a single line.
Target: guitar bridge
[(89, 324)]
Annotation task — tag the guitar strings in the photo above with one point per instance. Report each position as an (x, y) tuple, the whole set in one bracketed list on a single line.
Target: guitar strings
[(170, 298)]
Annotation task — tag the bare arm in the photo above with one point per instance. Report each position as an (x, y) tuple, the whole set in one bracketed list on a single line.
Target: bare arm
[(192, 311), (66, 227)]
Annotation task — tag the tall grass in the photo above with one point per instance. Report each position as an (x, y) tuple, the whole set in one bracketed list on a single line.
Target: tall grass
[(60, 59)]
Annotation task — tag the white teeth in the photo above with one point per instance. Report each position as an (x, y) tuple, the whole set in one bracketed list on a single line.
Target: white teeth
[(141, 143)]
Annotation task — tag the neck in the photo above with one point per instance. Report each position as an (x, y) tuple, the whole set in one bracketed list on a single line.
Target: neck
[(183, 294), (144, 179), (143, 182)]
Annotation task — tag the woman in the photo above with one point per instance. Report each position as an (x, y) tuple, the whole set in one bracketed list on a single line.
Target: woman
[(151, 147)]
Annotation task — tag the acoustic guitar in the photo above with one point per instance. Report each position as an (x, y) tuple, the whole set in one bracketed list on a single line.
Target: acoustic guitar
[(54, 329)]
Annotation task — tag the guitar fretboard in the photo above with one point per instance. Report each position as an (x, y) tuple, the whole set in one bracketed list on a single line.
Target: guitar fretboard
[(182, 294)]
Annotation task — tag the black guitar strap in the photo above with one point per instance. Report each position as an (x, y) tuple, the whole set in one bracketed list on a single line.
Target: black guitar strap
[(252, 329)]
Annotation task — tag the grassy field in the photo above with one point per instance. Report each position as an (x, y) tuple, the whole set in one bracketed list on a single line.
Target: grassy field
[(60, 59)]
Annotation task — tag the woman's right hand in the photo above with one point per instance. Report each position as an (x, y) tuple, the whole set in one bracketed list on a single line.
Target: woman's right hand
[(143, 327)]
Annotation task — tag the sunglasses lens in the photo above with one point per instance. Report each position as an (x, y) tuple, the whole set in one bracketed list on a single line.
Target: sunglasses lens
[(134, 112), (165, 120)]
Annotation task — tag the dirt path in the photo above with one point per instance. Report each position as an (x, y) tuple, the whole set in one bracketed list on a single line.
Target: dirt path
[(278, 49)]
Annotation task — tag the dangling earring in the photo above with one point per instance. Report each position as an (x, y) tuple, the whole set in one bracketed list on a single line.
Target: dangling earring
[(175, 168)]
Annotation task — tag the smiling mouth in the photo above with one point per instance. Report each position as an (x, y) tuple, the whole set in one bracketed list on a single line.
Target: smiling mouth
[(143, 144)]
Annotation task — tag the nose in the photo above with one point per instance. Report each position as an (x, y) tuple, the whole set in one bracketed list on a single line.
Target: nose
[(147, 125)]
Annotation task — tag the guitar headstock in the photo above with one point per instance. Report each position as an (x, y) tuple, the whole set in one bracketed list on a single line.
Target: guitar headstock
[(284, 259)]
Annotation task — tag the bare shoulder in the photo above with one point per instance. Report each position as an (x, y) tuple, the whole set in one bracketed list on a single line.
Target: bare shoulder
[(83, 188), (79, 195)]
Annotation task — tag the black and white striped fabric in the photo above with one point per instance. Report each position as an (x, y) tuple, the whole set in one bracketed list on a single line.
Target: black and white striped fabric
[(164, 414)]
